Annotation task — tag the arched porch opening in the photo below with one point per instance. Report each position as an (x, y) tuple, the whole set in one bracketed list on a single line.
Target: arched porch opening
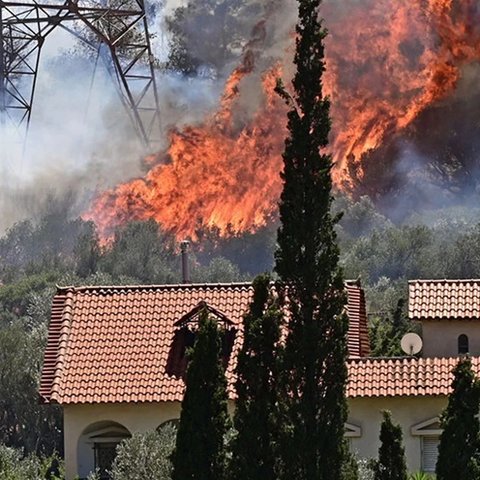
[(97, 447)]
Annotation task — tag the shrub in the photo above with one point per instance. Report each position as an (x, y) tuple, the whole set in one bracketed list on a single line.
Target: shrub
[(421, 476), (145, 455), (13, 466), (365, 471)]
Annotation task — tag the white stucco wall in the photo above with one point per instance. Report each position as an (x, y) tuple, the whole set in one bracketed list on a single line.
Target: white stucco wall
[(408, 411), (134, 417), (440, 337), (364, 412)]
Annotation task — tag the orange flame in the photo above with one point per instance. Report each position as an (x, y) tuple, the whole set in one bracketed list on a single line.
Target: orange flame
[(386, 62), (406, 56), (219, 175)]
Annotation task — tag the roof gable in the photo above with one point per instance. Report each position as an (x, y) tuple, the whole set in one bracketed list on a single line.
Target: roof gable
[(353, 431), (58, 332), (114, 344), (432, 426), (194, 315)]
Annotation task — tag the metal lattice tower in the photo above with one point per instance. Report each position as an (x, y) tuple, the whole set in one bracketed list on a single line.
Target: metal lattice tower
[(117, 29)]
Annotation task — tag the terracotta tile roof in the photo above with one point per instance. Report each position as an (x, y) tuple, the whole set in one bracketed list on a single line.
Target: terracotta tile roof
[(389, 377), (114, 344), (444, 299)]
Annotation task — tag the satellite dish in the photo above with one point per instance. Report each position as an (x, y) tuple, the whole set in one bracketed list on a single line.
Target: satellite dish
[(411, 343)]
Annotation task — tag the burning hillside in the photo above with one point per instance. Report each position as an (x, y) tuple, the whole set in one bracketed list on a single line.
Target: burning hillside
[(386, 63)]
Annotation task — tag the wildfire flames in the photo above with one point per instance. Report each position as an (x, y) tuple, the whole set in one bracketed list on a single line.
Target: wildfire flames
[(386, 62)]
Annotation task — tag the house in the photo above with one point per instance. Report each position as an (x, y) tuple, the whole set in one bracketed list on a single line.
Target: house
[(115, 358), (416, 389)]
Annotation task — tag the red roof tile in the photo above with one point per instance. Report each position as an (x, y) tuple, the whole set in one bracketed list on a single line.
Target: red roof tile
[(113, 344), (444, 299), (388, 377)]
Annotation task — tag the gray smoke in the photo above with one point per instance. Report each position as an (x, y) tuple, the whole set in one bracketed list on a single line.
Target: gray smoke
[(81, 140)]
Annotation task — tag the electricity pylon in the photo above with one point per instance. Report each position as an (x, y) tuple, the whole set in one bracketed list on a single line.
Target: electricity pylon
[(119, 26)]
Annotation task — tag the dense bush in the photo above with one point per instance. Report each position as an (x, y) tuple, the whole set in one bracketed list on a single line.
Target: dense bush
[(421, 476), (14, 466), (146, 455), (23, 422), (365, 471)]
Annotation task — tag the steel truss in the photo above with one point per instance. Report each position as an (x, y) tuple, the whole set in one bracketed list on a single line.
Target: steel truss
[(119, 26)]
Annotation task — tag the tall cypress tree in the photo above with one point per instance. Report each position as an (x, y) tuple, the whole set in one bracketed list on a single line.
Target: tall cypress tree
[(307, 263), (200, 452), (391, 464), (255, 448), (459, 449)]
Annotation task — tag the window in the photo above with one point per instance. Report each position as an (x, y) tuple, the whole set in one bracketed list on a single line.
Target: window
[(352, 431), (463, 346), (184, 338), (97, 448), (429, 453), (104, 456), (429, 432)]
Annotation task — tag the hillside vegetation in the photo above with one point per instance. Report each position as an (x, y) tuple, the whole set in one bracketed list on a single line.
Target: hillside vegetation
[(58, 250)]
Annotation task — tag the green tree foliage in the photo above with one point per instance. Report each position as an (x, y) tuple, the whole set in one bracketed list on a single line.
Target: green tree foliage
[(359, 218), (39, 309), (391, 464), (209, 33), (14, 466), (219, 270), (465, 255), (258, 395), (387, 330), (23, 422), (252, 252), (397, 252), (111, 27), (421, 476), (351, 470), (146, 455), (15, 297), (307, 263), (458, 452), (87, 251), (47, 242), (17, 245), (141, 250), (444, 250), (204, 421)]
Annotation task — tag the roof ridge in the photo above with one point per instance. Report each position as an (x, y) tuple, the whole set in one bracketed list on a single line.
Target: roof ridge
[(445, 280), (372, 359), (62, 346), (405, 357), (152, 287), (68, 288)]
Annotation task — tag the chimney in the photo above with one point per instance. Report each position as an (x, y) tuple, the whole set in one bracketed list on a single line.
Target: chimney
[(185, 264)]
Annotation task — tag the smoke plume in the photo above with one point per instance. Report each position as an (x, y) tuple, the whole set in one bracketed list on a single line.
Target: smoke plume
[(402, 77)]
